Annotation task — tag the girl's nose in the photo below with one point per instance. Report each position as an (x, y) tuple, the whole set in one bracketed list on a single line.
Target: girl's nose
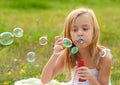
[(80, 32)]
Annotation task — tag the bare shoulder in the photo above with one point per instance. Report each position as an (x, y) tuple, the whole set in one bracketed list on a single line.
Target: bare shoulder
[(107, 58), (105, 68)]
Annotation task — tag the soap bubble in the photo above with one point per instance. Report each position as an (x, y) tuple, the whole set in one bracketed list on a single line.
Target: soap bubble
[(43, 40), (67, 42), (6, 38), (74, 50), (18, 32), (31, 56)]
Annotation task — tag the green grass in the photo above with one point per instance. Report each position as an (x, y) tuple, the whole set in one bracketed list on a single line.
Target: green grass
[(39, 18)]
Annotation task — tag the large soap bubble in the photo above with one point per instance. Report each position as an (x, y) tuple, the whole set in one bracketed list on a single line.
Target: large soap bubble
[(6, 38), (67, 42), (18, 32), (31, 56)]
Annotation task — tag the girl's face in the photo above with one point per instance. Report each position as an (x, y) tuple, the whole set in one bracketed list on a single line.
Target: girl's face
[(82, 30)]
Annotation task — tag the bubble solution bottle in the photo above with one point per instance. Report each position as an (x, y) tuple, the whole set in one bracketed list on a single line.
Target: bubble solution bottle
[(80, 64)]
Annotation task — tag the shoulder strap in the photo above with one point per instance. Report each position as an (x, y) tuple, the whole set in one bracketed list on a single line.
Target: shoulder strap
[(103, 52)]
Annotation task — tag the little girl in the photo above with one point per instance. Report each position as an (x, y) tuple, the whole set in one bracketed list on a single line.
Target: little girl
[(81, 27)]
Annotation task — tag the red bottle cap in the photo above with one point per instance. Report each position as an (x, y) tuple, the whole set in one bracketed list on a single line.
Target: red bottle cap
[(81, 63)]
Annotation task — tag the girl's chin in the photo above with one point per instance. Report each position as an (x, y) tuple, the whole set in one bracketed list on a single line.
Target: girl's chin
[(84, 46)]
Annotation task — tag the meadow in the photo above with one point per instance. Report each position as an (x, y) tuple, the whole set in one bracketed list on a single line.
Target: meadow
[(46, 18)]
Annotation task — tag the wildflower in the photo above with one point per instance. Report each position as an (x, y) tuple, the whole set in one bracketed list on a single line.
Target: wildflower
[(5, 83), (112, 67), (22, 71), (9, 73)]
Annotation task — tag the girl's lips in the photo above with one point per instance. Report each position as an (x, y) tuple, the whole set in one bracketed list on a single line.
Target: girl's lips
[(81, 41)]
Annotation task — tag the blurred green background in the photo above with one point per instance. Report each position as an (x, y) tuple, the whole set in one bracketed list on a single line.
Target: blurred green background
[(46, 18)]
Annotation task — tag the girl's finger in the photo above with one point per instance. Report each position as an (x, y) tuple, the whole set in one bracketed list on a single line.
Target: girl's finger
[(58, 48), (58, 37), (59, 43), (83, 77), (81, 72), (82, 68)]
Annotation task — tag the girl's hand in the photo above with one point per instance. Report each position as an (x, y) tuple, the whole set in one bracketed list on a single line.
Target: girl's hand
[(58, 46), (84, 73)]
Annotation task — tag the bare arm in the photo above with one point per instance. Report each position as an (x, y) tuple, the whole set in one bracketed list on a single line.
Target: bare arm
[(105, 70), (53, 66)]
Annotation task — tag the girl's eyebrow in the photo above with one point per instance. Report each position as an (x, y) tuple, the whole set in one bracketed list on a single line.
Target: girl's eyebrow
[(73, 26), (85, 25)]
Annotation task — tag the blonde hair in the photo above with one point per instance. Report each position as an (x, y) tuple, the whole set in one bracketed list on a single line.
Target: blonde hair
[(70, 60)]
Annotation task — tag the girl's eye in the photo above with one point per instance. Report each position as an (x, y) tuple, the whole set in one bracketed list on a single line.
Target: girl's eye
[(85, 29), (75, 30)]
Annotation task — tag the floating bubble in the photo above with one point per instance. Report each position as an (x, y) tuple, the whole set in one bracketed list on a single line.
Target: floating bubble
[(74, 50), (18, 32), (67, 42), (31, 56), (43, 40), (6, 38)]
